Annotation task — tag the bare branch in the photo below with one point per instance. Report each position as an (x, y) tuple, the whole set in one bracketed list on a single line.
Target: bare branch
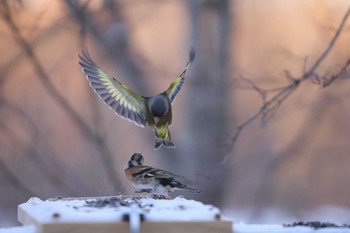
[(119, 50), (325, 82), (11, 177), (260, 91), (107, 157), (284, 92), (26, 148), (330, 46)]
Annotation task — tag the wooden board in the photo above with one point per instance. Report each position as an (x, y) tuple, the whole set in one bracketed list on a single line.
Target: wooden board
[(123, 227)]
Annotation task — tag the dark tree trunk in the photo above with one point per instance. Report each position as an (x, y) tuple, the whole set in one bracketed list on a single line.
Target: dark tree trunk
[(208, 101)]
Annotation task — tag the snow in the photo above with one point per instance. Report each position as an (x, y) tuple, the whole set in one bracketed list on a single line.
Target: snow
[(261, 228), (179, 209), (115, 209), (24, 229), (69, 211), (335, 214), (77, 210)]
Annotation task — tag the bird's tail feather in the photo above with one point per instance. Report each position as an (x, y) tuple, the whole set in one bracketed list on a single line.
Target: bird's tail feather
[(181, 186), (163, 142), (193, 190)]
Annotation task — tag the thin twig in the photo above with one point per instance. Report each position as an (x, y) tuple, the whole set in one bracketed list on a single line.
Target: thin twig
[(325, 82), (285, 91), (58, 97), (13, 179), (330, 46), (27, 148)]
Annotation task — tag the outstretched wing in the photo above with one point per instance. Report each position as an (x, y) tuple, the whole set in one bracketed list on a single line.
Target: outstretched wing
[(125, 102), (175, 86)]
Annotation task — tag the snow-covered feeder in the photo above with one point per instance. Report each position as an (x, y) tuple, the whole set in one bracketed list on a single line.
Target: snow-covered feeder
[(121, 214)]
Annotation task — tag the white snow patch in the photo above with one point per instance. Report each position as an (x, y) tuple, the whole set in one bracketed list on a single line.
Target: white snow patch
[(263, 228), (179, 209), (70, 210), (24, 229), (334, 214)]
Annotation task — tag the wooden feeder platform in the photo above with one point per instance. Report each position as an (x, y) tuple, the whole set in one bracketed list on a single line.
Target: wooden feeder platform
[(121, 214)]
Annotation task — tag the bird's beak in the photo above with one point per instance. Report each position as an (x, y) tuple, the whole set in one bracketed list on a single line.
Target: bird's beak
[(156, 120)]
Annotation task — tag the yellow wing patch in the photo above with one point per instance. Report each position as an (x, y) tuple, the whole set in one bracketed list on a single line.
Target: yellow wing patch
[(176, 85), (125, 102)]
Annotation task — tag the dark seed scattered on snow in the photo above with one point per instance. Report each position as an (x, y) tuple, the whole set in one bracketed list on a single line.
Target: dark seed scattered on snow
[(56, 215), (316, 225), (107, 202)]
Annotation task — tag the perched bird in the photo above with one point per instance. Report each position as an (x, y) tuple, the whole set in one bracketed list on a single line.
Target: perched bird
[(154, 111), (152, 180)]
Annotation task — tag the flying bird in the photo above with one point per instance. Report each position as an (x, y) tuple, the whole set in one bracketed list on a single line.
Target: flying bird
[(154, 111), (152, 180)]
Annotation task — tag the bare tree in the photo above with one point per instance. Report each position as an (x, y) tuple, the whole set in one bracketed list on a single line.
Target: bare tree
[(207, 146), (275, 97), (208, 101), (58, 97)]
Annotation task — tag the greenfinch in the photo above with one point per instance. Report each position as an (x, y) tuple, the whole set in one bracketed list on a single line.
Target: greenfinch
[(154, 111)]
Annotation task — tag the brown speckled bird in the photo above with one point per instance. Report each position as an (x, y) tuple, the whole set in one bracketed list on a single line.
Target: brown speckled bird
[(152, 180), (154, 111)]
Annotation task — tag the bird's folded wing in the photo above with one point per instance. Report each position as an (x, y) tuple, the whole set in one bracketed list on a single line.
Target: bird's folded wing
[(160, 174), (176, 85), (125, 102)]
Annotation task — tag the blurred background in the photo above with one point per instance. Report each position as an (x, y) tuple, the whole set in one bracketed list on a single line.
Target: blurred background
[(57, 138)]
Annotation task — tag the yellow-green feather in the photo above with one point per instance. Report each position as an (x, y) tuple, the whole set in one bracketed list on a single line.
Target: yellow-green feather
[(176, 85), (126, 103)]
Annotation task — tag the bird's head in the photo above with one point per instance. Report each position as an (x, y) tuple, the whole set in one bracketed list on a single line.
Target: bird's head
[(135, 160), (159, 106)]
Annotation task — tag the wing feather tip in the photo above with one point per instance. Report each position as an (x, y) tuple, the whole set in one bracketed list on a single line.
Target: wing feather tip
[(192, 55)]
